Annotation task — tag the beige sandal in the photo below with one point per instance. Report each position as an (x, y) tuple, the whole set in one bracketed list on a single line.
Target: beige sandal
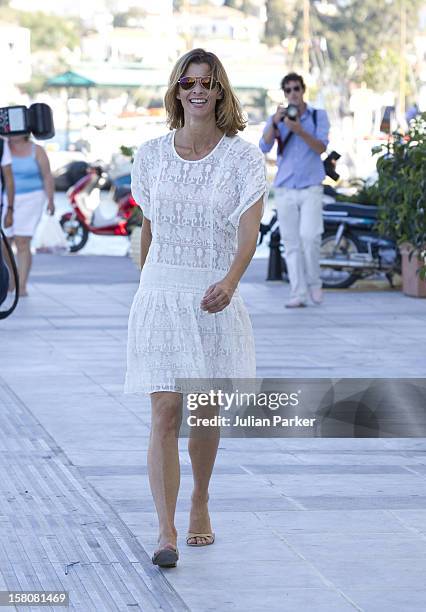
[(190, 535)]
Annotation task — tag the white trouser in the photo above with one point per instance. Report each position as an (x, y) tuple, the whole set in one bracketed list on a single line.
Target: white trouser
[(301, 225)]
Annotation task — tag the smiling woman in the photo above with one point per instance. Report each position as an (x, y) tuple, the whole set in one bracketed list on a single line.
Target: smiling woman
[(228, 113), (202, 190)]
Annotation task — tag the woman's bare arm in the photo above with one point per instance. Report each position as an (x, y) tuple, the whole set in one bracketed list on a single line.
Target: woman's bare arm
[(248, 233), (219, 295), (146, 238), (9, 185)]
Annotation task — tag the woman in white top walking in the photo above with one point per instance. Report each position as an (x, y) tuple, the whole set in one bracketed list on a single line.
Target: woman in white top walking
[(202, 190), (33, 185)]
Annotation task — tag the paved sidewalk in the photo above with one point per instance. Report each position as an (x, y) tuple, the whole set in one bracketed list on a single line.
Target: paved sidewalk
[(301, 524)]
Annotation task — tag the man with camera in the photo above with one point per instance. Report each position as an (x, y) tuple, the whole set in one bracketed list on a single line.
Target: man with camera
[(301, 133)]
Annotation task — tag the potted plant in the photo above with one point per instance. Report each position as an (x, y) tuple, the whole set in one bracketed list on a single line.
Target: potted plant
[(402, 201)]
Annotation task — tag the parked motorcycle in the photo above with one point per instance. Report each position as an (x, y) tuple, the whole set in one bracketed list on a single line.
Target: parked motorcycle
[(88, 215), (68, 175), (351, 248)]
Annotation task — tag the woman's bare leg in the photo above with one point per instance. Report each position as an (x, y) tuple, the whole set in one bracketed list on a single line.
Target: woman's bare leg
[(202, 446), (24, 261), (163, 461)]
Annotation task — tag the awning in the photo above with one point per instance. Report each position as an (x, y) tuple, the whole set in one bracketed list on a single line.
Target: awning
[(100, 77), (133, 78), (70, 79)]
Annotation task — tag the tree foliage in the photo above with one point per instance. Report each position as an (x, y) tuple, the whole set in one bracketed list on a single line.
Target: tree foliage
[(48, 32), (362, 36), (282, 20), (245, 6), (133, 17)]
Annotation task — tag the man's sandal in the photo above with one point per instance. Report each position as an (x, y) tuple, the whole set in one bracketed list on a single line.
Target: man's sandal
[(166, 557), (191, 535)]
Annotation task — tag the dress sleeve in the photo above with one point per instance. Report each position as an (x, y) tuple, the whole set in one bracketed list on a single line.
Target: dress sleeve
[(140, 181), (252, 183)]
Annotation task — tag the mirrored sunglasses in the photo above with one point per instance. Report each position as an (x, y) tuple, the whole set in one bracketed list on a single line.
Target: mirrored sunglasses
[(207, 82)]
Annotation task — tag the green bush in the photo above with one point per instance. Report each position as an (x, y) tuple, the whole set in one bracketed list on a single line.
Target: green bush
[(402, 187), (366, 193)]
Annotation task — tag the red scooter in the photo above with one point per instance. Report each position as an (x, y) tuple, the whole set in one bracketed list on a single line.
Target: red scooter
[(87, 216)]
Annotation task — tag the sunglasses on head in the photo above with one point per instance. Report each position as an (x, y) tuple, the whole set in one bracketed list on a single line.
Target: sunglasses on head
[(288, 90), (207, 82)]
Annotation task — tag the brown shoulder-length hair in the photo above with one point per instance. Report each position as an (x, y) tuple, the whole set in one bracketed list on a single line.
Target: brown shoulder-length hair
[(229, 114)]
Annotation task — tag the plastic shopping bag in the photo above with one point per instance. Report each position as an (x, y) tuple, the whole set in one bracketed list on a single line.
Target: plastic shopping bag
[(49, 237)]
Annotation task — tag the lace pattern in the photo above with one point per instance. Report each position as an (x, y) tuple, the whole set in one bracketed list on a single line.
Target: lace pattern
[(195, 209)]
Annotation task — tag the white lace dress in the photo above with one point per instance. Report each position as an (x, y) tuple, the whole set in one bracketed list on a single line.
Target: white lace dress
[(194, 208)]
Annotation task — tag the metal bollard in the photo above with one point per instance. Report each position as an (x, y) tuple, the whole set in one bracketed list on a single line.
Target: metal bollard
[(275, 263)]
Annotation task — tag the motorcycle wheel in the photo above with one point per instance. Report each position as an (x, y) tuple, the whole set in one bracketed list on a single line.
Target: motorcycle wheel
[(75, 233), (338, 279)]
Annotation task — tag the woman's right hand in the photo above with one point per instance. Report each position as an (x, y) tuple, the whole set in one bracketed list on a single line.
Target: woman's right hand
[(8, 219)]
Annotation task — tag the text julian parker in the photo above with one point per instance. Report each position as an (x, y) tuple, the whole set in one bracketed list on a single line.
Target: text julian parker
[(249, 421)]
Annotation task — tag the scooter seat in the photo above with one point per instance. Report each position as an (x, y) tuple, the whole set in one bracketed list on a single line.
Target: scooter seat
[(99, 223), (352, 210)]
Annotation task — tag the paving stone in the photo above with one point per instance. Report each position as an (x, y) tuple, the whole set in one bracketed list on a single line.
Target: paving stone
[(391, 599), (321, 524), (52, 519)]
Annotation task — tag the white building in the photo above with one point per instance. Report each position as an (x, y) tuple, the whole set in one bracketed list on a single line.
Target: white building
[(155, 45), (208, 23), (15, 53), (65, 8), (86, 9)]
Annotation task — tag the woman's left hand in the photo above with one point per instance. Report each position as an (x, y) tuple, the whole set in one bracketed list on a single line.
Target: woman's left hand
[(218, 296), (51, 208)]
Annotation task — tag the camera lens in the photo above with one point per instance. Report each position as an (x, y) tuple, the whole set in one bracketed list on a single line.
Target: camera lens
[(292, 111)]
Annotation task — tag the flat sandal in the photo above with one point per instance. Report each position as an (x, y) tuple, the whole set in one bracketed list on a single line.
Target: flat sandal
[(191, 534), (166, 556)]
